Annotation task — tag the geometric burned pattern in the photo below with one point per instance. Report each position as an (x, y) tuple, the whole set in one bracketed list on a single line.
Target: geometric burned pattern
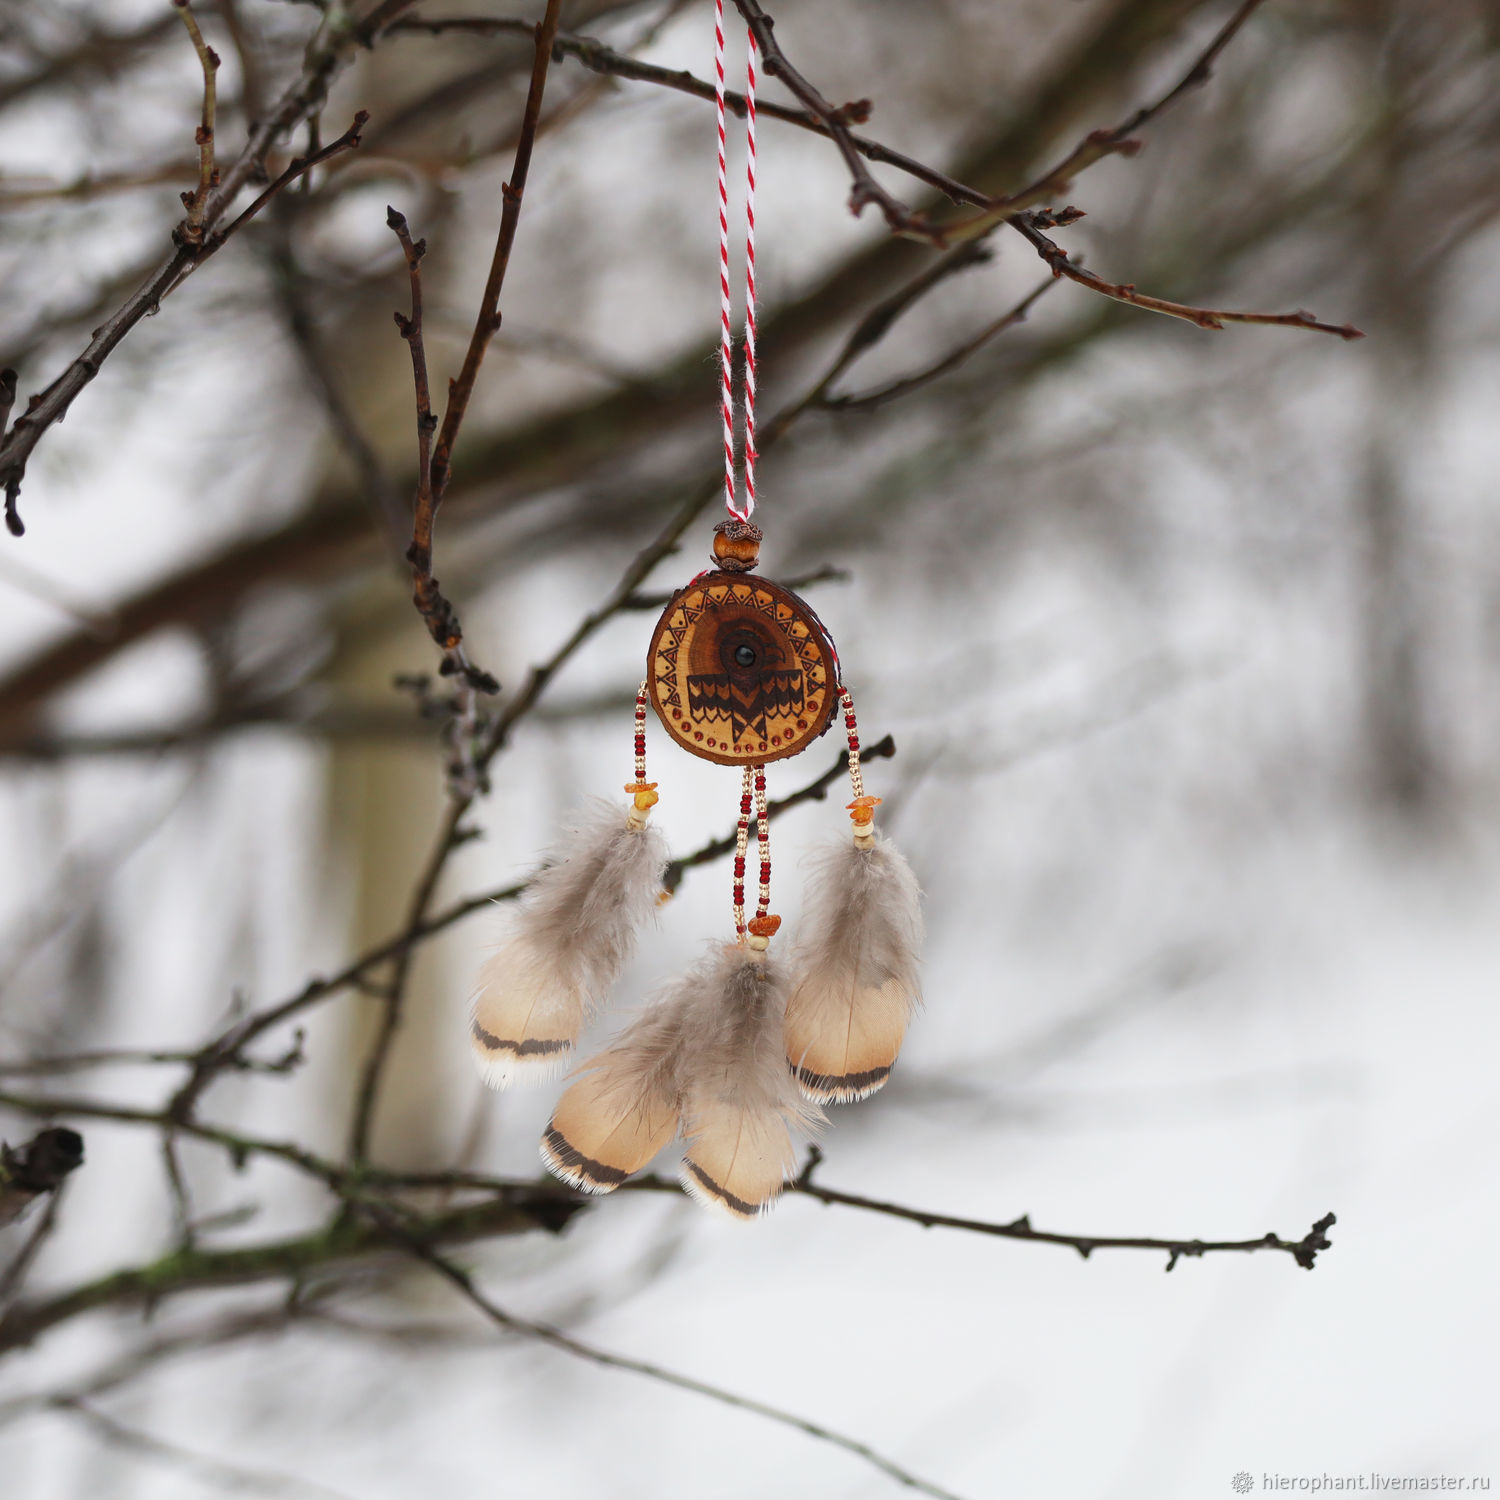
[(740, 670)]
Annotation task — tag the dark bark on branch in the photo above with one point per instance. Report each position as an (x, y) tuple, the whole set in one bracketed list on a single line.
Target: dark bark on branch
[(333, 536), (435, 460), (29, 1171), (194, 246)]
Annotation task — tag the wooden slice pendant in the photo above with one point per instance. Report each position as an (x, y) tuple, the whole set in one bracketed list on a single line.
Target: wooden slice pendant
[(741, 671)]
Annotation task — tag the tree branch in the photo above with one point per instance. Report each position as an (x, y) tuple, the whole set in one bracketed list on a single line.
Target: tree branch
[(895, 389), (435, 462), (217, 1472), (1029, 227), (325, 58), (1119, 140), (346, 1239), (51, 405), (835, 122), (509, 1207), (1304, 1251), (197, 201), (332, 538), (555, 1337)]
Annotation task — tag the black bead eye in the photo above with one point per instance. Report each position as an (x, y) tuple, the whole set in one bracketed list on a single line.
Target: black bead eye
[(744, 656)]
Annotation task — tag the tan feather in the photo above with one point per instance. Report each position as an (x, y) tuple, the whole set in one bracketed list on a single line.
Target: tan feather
[(856, 973), (570, 939), (623, 1106), (603, 1129), (740, 1105), (526, 1016), (842, 1039), (709, 1055), (739, 1158)]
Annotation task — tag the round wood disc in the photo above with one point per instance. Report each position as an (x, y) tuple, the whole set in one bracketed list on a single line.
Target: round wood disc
[(741, 671)]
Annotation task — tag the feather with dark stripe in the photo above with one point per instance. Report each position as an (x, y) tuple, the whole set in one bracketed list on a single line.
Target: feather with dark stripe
[(571, 938), (856, 972)]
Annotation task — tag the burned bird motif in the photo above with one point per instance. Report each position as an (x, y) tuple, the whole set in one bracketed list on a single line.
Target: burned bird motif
[(758, 682), (741, 671)]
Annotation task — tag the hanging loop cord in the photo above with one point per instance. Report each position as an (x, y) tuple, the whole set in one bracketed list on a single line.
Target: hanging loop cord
[(741, 512)]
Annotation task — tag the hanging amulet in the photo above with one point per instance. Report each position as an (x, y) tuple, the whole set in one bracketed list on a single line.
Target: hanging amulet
[(741, 671)]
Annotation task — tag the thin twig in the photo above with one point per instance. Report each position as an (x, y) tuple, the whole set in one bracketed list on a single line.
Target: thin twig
[(437, 613), (116, 1057), (215, 1471), (371, 1075), (509, 1207), (599, 58), (898, 215), (74, 1062), (388, 509), (325, 58), (8, 378), (296, 168), (435, 466), (825, 119), (1204, 317), (487, 322), (895, 389), (530, 1193), (196, 202), (546, 1334), (1118, 140), (1304, 1251), (50, 405), (814, 791), (411, 331), (182, 1204), (13, 1278)]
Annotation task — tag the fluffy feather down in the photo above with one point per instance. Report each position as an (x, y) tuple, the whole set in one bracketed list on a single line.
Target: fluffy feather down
[(739, 1104), (621, 1109), (574, 932), (856, 972), (707, 1055)]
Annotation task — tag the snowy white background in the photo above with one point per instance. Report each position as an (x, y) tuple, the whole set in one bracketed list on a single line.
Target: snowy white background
[(1184, 981)]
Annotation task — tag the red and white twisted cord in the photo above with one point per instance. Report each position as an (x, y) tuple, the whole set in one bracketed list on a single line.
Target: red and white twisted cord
[(726, 335), (750, 454)]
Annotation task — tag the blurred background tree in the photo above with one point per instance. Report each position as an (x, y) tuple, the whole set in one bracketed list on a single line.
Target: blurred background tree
[(1208, 619)]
